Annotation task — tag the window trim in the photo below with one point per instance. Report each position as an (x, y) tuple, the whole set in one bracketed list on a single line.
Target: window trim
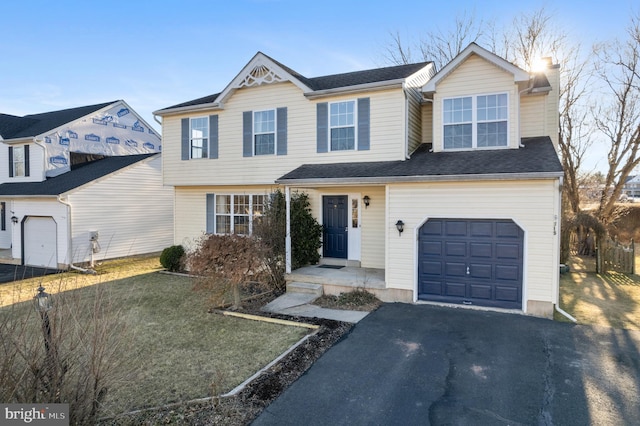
[(474, 121), (354, 125), (232, 215), (204, 149), (254, 133)]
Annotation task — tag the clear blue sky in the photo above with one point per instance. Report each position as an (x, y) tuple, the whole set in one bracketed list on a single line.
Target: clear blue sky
[(154, 54)]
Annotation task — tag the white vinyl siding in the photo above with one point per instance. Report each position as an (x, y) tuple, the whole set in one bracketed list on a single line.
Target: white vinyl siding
[(387, 130), (130, 209), (530, 204)]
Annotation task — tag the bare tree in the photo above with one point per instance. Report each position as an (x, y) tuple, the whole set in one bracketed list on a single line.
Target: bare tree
[(619, 118), (439, 46)]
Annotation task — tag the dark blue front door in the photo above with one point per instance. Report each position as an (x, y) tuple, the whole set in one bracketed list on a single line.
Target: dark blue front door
[(471, 261), (335, 223)]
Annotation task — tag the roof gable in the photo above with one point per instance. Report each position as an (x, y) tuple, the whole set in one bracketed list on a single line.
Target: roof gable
[(264, 70), (519, 75)]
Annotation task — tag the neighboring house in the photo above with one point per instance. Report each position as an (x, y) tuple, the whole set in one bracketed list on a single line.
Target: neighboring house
[(631, 187), (463, 161), (81, 184)]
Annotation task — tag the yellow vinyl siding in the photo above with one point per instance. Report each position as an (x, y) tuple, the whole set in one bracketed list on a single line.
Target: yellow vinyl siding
[(533, 116), (427, 122), (476, 76), (231, 168), (530, 204)]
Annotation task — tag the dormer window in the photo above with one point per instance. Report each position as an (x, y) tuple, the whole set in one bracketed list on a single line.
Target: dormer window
[(476, 121)]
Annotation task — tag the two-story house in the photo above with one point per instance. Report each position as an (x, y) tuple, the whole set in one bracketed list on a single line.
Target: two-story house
[(81, 184), (447, 182)]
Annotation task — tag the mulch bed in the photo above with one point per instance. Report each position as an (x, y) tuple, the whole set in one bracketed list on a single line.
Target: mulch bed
[(244, 407)]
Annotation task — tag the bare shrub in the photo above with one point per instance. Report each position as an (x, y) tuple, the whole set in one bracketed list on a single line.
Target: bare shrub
[(72, 359), (225, 263)]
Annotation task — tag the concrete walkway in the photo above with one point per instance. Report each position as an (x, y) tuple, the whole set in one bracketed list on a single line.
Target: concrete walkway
[(299, 304)]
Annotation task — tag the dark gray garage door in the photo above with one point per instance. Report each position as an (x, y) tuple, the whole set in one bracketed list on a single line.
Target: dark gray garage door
[(471, 261)]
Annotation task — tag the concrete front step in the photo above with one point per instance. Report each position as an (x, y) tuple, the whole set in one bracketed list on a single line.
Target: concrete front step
[(306, 288)]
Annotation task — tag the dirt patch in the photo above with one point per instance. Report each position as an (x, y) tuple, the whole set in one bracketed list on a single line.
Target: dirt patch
[(357, 300), (242, 408)]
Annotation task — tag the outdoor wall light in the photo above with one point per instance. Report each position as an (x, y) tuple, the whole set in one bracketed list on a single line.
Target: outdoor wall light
[(14, 219), (366, 200), (400, 226)]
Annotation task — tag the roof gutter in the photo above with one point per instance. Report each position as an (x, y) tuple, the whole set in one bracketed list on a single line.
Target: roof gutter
[(379, 85), (423, 178), (190, 108)]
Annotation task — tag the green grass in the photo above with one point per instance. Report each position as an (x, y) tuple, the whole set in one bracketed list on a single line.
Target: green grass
[(611, 300), (173, 349)]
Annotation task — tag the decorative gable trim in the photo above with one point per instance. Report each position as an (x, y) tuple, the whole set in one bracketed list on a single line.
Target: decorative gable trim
[(519, 75), (260, 70)]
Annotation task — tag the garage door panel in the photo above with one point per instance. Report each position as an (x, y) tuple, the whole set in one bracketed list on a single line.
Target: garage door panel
[(507, 230), (507, 251), (455, 248), (431, 287), (432, 227), (480, 271), (432, 248), (490, 250), (432, 268), (455, 228), (509, 294), (455, 289), (455, 269), (479, 291), (480, 249), (481, 229), (507, 272)]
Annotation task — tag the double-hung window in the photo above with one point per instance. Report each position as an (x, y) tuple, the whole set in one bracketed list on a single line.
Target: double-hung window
[(264, 132), (199, 137), (237, 213), (475, 121), (18, 161), (342, 125)]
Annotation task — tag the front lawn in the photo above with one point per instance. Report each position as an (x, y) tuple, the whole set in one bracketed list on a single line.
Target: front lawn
[(171, 349)]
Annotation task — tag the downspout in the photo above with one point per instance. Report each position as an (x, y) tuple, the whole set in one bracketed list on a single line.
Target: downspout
[(69, 250), (557, 304), (44, 155), (406, 122), (519, 107)]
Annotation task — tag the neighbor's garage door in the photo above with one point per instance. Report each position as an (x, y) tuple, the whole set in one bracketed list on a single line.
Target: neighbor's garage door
[(40, 242), (471, 261)]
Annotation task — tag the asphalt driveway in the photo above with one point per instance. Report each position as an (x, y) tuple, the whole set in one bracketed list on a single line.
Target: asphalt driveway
[(421, 364), (10, 273)]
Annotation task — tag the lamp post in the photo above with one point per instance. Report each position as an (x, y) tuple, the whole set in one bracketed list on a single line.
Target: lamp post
[(43, 305)]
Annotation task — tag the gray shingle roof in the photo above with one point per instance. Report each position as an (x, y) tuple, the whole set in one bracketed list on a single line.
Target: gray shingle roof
[(12, 127), (332, 81), (537, 156), (78, 176)]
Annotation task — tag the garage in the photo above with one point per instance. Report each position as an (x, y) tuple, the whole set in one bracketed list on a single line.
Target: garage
[(40, 242), (471, 262)]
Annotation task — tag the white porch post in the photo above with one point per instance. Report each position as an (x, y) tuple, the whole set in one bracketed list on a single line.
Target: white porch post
[(287, 195)]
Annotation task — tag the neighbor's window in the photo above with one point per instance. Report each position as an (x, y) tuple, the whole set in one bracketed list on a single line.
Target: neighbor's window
[(264, 132), (475, 121), (18, 161), (199, 137), (342, 125), (237, 213)]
